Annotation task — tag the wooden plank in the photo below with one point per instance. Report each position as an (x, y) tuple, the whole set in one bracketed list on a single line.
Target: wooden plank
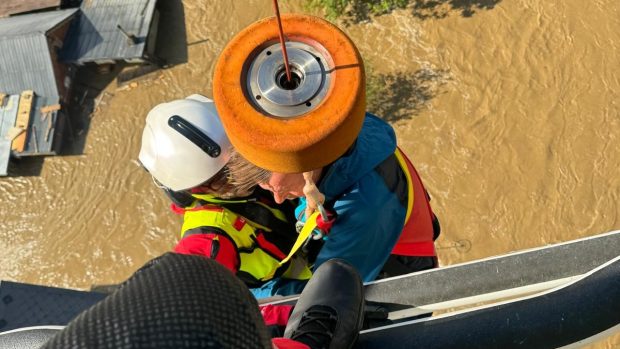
[(23, 119), (50, 108), (13, 133), (48, 130), (34, 138)]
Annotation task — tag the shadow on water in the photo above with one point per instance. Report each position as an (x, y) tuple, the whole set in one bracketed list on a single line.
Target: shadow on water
[(86, 96), (363, 10), (425, 9), (402, 96), (28, 166), (171, 44)]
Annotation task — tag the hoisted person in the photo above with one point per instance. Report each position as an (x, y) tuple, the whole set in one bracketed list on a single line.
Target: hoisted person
[(186, 151)]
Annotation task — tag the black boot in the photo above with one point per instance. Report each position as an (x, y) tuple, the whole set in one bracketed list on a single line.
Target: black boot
[(329, 313)]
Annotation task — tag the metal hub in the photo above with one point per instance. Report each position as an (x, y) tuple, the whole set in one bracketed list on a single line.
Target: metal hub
[(270, 90)]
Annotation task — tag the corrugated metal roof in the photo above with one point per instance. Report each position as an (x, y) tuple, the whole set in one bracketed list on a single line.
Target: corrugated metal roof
[(33, 23), (25, 64), (8, 115), (25, 61), (10, 7), (94, 35)]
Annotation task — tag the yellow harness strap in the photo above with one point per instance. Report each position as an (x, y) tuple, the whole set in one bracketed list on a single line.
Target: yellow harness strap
[(311, 222), (212, 199), (301, 238)]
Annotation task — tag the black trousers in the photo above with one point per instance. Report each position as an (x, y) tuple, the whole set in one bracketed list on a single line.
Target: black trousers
[(400, 265)]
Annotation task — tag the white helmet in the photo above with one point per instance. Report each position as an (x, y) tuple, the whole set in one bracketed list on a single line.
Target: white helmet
[(184, 143)]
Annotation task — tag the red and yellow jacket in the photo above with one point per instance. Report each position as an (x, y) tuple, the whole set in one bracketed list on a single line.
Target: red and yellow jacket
[(248, 236)]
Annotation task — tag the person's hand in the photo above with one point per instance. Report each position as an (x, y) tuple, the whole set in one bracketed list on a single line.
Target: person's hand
[(314, 198)]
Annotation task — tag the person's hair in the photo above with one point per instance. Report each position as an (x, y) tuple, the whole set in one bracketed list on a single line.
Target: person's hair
[(244, 175), (219, 185), (237, 179)]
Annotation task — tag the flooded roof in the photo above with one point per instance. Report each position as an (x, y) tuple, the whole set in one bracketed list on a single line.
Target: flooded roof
[(96, 36), (11, 7)]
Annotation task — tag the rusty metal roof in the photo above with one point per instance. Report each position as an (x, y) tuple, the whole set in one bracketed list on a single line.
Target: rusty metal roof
[(11, 7), (35, 23), (95, 36)]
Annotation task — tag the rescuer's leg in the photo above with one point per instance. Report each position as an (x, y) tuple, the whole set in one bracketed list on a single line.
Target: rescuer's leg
[(329, 312)]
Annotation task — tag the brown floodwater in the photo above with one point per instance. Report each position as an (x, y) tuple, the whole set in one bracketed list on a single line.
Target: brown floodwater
[(509, 109)]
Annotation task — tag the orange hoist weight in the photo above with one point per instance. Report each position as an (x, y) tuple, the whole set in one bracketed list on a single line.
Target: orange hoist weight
[(298, 124)]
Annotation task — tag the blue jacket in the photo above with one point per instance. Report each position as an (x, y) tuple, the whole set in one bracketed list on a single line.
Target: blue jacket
[(370, 214)]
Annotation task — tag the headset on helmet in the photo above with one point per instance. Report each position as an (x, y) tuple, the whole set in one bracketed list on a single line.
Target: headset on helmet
[(184, 143)]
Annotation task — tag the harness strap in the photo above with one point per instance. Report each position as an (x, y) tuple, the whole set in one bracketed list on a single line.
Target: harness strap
[(262, 215), (212, 199), (207, 207), (271, 219), (301, 238)]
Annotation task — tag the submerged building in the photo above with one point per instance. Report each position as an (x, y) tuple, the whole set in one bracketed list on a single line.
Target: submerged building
[(39, 56), (108, 31), (33, 83)]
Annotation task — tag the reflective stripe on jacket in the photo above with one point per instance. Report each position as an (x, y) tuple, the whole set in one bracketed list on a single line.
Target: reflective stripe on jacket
[(260, 243), (417, 236)]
